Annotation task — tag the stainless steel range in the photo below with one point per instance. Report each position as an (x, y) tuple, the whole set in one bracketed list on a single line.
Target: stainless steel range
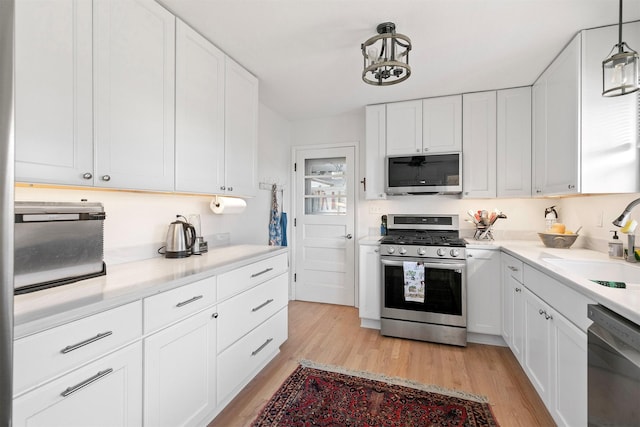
[(424, 286)]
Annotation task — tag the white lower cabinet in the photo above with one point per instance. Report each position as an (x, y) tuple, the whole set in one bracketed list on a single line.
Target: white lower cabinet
[(483, 291), (568, 394), (370, 288), (512, 304), (537, 335), (104, 393), (180, 372), (552, 320)]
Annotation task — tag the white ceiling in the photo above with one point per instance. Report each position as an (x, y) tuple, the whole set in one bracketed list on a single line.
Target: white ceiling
[(307, 56)]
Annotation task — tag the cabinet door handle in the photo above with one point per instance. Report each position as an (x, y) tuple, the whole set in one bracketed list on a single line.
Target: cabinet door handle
[(267, 302), (230, 188), (72, 347), (512, 268), (106, 178), (83, 384), (518, 290), (266, 270), (189, 301), (222, 187), (259, 349), (87, 175), (540, 312)]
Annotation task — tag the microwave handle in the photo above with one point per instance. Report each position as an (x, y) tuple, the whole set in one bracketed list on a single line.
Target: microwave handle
[(440, 265)]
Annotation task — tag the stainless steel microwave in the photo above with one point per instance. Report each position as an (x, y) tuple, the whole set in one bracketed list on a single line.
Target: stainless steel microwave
[(424, 174)]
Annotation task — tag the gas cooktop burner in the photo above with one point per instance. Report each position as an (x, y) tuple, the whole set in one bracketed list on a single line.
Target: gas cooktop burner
[(423, 240)]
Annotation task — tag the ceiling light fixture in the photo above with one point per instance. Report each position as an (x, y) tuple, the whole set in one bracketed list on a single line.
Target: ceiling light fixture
[(386, 57), (620, 70)]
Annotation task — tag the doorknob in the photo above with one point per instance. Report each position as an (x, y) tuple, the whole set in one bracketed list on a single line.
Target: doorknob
[(349, 236)]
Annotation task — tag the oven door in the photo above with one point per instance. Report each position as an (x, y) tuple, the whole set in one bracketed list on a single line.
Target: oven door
[(445, 298)]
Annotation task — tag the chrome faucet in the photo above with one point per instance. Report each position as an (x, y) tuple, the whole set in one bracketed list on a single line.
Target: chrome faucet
[(620, 222)]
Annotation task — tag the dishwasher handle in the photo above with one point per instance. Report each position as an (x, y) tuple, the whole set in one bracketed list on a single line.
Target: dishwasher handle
[(614, 329)]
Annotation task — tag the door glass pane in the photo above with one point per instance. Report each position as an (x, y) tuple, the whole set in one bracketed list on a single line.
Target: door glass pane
[(325, 186)]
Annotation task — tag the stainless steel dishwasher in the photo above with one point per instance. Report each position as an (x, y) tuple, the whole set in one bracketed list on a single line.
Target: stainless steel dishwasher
[(613, 369)]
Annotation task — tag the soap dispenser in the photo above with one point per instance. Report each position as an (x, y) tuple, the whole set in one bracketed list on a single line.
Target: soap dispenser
[(615, 247)]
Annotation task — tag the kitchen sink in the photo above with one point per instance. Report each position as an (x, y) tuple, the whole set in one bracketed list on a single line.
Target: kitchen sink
[(611, 271)]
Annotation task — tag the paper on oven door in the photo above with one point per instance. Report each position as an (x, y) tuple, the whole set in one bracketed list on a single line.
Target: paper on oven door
[(413, 281)]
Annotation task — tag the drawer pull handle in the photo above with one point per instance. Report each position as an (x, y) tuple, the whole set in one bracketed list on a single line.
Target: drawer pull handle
[(70, 348), (259, 349), (512, 268), (83, 384), (269, 301), (261, 272), (189, 301)]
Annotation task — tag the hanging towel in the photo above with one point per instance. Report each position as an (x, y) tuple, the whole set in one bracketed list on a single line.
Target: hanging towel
[(275, 230), (283, 228), (414, 288)]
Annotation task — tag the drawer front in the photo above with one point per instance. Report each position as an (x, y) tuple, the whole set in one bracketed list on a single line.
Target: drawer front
[(240, 361), (242, 313), (104, 393), (54, 351), (514, 266), (247, 277), (173, 305)]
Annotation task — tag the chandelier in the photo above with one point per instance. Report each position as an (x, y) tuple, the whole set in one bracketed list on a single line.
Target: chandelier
[(386, 57), (620, 70)]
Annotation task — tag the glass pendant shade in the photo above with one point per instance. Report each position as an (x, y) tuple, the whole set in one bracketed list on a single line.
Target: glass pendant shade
[(386, 57), (620, 73)]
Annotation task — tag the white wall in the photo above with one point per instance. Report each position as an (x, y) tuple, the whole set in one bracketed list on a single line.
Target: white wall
[(137, 222), (525, 216), (595, 214)]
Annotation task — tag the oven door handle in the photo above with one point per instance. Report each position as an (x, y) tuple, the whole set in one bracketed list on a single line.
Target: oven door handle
[(437, 265)]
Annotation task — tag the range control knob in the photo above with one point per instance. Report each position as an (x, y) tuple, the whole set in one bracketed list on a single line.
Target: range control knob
[(454, 252), (421, 251), (402, 250), (391, 249), (441, 252)]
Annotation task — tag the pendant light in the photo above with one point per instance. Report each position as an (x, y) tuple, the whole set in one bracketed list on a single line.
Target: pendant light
[(620, 70), (386, 57)]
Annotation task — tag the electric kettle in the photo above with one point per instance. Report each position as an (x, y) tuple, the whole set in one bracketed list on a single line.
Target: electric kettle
[(180, 239)]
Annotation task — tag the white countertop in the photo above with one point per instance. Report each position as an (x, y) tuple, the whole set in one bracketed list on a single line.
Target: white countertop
[(625, 302), (125, 283)]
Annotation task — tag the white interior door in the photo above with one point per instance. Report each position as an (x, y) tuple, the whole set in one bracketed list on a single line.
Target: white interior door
[(324, 225)]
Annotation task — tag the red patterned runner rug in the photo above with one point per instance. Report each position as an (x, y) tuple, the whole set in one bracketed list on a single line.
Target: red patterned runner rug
[(321, 395)]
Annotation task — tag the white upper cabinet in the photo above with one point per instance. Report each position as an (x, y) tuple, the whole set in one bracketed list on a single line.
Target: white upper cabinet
[(241, 131), (609, 132), (557, 124), (583, 142), (404, 128), (200, 73), (514, 142), (375, 149), (442, 124), (134, 78), (53, 103), (479, 145)]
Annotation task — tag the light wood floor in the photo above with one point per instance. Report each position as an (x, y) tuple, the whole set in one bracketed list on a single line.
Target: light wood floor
[(332, 334)]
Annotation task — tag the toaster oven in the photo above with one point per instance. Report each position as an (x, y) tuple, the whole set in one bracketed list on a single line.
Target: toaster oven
[(57, 243)]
